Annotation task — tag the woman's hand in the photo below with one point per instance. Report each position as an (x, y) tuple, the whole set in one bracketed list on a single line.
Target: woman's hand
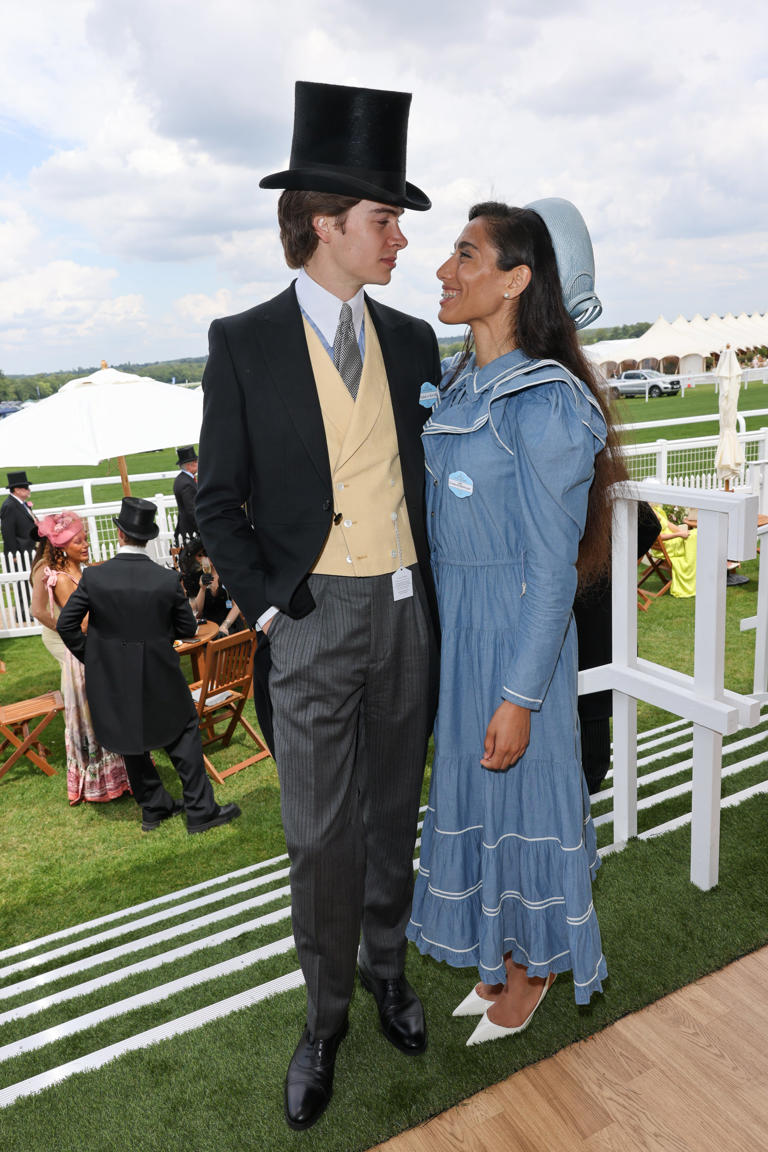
[(507, 736), (675, 530)]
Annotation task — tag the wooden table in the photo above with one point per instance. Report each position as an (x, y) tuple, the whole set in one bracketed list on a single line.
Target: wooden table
[(195, 646)]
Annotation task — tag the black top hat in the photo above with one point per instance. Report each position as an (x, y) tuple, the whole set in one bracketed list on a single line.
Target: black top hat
[(186, 455), (137, 518), (350, 141), (17, 480)]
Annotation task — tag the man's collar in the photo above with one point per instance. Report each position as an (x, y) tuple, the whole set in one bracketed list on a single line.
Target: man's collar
[(323, 307), (131, 550)]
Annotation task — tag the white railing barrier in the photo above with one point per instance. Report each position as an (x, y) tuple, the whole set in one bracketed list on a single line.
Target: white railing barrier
[(87, 485), (687, 459), (727, 529), (16, 617), (15, 594), (760, 621)]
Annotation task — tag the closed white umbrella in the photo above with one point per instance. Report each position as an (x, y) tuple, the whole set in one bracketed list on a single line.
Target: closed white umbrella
[(729, 458), (108, 414)]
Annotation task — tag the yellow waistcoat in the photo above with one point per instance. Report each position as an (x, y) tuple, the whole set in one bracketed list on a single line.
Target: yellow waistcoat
[(365, 467)]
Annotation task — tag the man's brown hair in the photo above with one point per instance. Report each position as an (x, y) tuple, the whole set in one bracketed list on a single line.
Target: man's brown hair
[(295, 211)]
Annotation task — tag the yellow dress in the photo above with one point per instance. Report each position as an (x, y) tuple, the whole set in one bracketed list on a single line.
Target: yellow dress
[(682, 554)]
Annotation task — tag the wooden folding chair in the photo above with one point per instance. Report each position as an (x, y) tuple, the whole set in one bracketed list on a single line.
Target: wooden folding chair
[(648, 565), (15, 720), (220, 697)]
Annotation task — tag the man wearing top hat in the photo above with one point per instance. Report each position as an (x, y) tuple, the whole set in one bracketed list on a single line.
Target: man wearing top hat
[(185, 492), (17, 522), (312, 418), (138, 697)]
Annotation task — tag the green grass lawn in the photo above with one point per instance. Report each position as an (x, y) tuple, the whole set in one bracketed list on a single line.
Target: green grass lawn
[(92, 850), (142, 462), (218, 1089), (220, 1086), (699, 401)]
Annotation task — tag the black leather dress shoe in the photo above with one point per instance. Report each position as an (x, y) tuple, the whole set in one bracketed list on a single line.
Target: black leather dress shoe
[(309, 1080), (225, 813), (400, 1011), (150, 823)]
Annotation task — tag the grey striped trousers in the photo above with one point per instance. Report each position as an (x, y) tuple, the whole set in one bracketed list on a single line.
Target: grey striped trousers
[(353, 688)]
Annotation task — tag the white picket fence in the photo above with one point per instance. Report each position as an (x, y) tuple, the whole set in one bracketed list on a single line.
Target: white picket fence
[(688, 463), (691, 461), (16, 617)]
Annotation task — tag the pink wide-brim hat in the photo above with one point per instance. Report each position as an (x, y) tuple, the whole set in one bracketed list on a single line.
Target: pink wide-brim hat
[(60, 527)]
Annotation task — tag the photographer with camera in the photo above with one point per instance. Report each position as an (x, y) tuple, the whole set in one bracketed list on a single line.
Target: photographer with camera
[(208, 598)]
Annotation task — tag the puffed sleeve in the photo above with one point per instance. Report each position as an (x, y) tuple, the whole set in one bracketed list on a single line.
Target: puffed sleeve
[(554, 450)]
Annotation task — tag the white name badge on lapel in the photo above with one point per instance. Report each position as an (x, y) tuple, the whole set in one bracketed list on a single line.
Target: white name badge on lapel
[(402, 584), (428, 395), (461, 485)]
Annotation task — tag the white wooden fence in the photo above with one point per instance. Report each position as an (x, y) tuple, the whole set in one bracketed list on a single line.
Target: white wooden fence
[(15, 593), (727, 529), (691, 461)]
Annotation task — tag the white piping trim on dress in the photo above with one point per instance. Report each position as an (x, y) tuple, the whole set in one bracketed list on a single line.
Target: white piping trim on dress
[(576, 921), (535, 840), (531, 905), (532, 699), (586, 984), (509, 940), (446, 895)]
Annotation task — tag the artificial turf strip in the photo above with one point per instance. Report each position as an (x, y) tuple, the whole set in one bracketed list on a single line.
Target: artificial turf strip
[(220, 1089)]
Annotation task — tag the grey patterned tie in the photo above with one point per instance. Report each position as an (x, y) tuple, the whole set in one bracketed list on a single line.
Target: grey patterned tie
[(346, 352)]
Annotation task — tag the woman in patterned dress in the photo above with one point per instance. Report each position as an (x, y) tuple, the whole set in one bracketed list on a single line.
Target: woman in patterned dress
[(93, 773)]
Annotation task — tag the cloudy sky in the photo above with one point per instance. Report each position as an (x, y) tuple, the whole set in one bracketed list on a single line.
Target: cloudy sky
[(133, 134)]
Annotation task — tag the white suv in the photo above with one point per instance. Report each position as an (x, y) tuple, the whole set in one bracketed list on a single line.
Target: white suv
[(639, 381)]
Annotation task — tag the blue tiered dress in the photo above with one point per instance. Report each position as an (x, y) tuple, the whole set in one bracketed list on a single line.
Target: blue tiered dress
[(508, 858)]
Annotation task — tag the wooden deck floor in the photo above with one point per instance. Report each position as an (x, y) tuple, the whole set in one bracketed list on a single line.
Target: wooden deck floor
[(687, 1074)]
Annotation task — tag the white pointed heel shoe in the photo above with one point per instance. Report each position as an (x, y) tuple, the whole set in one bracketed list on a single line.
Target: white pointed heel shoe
[(472, 1005), (487, 1030)]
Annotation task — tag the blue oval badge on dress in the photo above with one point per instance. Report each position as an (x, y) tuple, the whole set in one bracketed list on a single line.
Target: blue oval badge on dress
[(428, 395), (460, 484)]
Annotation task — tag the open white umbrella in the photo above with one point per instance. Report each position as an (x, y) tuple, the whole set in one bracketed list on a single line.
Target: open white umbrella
[(729, 458), (106, 415)]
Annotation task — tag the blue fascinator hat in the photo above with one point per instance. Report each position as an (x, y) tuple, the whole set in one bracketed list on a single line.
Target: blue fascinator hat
[(575, 258)]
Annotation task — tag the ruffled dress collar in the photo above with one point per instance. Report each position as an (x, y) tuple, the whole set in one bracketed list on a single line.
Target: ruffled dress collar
[(465, 405)]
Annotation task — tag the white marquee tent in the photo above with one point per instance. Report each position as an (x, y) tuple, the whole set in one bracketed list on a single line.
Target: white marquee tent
[(687, 341)]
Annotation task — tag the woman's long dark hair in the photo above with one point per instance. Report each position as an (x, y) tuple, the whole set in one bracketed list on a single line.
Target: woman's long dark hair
[(542, 328)]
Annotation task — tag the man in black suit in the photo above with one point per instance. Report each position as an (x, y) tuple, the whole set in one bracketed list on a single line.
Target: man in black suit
[(185, 491), (17, 522), (312, 419), (137, 694)]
